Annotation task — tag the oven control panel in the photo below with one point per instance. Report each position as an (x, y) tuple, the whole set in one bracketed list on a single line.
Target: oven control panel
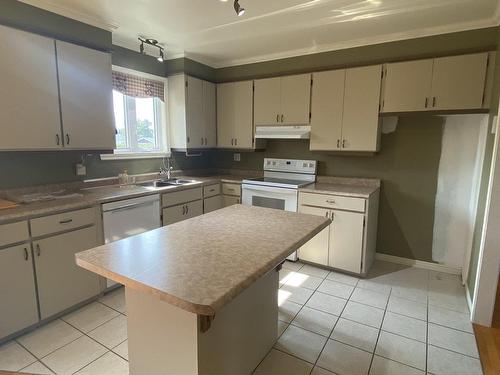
[(290, 165)]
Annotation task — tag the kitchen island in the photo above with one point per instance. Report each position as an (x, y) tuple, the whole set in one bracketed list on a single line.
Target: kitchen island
[(202, 294)]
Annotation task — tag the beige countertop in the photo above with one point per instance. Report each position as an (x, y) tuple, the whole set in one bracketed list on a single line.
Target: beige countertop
[(345, 186), (202, 263)]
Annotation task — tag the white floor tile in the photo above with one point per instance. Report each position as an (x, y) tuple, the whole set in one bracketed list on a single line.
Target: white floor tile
[(90, 316), (315, 321), (405, 326), (293, 266), (369, 297), (301, 343), (406, 307), (383, 366), (455, 302), (287, 311), (412, 294), (303, 280), (325, 302), (37, 368), (111, 333), (344, 359), (321, 371), (281, 328), (401, 349), (374, 286), (336, 289), (314, 271), (364, 314), (283, 274), (49, 337), (343, 278), (108, 364), (298, 295), (122, 350), (14, 357), (74, 356), (444, 362), (355, 334), (450, 318), (279, 363), (115, 299), (451, 339)]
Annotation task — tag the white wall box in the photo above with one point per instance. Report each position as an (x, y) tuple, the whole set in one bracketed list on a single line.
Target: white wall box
[(192, 112), (445, 83), (282, 100), (345, 110), (348, 244)]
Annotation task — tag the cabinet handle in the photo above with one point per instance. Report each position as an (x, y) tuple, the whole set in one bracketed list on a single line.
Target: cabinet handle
[(183, 210), (187, 209), (338, 143), (426, 102), (326, 214), (38, 251), (236, 141), (277, 118), (202, 141), (187, 140), (434, 101), (67, 138), (232, 141), (332, 214), (206, 142), (58, 140), (343, 143), (26, 253), (67, 221), (282, 117)]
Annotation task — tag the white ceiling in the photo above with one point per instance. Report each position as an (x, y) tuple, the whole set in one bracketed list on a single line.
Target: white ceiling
[(209, 30)]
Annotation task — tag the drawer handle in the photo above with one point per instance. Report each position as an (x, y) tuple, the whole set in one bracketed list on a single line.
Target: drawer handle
[(230, 189), (183, 210), (38, 251), (26, 253), (211, 190), (187, 209), (333, 215), (67, 221), (331, 201)]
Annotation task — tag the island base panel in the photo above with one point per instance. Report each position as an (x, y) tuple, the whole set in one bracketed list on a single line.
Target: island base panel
[(164, 339)]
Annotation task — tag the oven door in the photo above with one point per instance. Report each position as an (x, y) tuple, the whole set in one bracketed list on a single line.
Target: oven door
[(270, 197)]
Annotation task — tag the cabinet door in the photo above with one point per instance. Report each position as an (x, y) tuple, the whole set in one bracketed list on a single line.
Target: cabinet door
[(29, 114), (61, 283), (407, 86), (212, 204), (327, 110), (209, 115), (295, 99), (316, 250), (194, 113), (228, 200), (225, 115), (243, 114), (360, 125), (182, 212), (458, 82), (86, 97), (267, 106), (346, 241), (18, 309)]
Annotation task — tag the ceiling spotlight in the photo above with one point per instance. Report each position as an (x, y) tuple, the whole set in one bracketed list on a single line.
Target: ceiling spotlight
[(238, 8), (153, 43)]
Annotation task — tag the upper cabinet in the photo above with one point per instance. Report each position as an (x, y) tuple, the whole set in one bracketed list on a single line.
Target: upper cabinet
[(55, 95), (192, 112), (235, 115), (345, 110), (447, 83), (86, 97), (283, 100)]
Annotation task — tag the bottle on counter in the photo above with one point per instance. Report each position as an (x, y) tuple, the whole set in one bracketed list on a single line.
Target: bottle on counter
[(123, 178)]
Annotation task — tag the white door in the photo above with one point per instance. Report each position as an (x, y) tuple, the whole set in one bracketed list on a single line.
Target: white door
[(295, 99), (86, 97), (18, 309), (29, 114), (360, 125), (316, 250), (225, 114), (267, 106), (346, 241), (209, 114), (407, 86), (327, 106), (243, 114), (458, 82), (195, 123)]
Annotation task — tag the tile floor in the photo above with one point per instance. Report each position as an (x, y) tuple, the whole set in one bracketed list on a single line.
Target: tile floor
[(399, 320)]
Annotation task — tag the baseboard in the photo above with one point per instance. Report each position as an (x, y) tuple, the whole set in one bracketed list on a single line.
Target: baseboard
[(418, 263)]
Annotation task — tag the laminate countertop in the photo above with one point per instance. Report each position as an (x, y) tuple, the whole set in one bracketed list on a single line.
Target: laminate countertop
[(201, 264), (357, 191)]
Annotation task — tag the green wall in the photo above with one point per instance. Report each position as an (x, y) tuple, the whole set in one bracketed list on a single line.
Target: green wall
[(408, 166)]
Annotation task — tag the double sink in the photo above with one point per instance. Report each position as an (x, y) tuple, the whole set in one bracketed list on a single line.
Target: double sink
[(165, 183)]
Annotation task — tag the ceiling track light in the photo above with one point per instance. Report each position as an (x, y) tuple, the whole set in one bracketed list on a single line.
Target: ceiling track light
[(238, 8), (153, 43)]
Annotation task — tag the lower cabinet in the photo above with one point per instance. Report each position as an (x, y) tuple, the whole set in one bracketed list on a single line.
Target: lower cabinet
[(316, 250), (181, 212), (229, 200), (61, 283), (18, 308), (212, 203)]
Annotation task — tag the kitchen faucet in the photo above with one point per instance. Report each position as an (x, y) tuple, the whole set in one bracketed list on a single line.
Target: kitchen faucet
[(166, 169)]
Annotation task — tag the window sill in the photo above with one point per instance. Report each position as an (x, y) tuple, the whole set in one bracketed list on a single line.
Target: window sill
[(135, 155)]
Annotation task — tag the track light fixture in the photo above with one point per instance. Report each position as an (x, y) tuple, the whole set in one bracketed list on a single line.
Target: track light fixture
[(154, 43), (238, 8)]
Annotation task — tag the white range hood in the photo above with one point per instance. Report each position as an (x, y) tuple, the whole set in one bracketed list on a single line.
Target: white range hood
[(282, 132)]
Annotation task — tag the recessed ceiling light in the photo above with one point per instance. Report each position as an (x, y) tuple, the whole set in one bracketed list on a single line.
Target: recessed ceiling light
[(238, 8)]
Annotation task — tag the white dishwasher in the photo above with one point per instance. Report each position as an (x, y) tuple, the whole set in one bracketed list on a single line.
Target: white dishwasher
[(129, 217)]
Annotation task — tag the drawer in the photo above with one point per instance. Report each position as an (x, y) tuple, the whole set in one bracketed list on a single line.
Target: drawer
[(62, 222), (182, 212), (332, 201), (211, 190), (179, 197), (14, 233), (231, 189)]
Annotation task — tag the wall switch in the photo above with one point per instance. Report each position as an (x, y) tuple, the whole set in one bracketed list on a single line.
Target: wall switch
[(81, 170), (237, 157)]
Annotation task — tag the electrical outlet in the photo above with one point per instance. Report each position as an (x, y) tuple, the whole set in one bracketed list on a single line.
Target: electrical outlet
[(237, 157), (81, 170)]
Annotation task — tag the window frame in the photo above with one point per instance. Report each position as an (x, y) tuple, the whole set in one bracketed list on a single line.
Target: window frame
[(162, 131)]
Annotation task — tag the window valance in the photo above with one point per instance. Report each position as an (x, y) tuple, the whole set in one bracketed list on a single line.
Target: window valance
[(138, 87)]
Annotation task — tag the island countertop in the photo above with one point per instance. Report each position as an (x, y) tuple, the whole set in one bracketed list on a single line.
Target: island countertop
[(203, 263)]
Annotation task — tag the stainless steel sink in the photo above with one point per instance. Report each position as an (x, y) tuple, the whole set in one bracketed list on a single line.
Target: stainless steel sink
[(165, 183)]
